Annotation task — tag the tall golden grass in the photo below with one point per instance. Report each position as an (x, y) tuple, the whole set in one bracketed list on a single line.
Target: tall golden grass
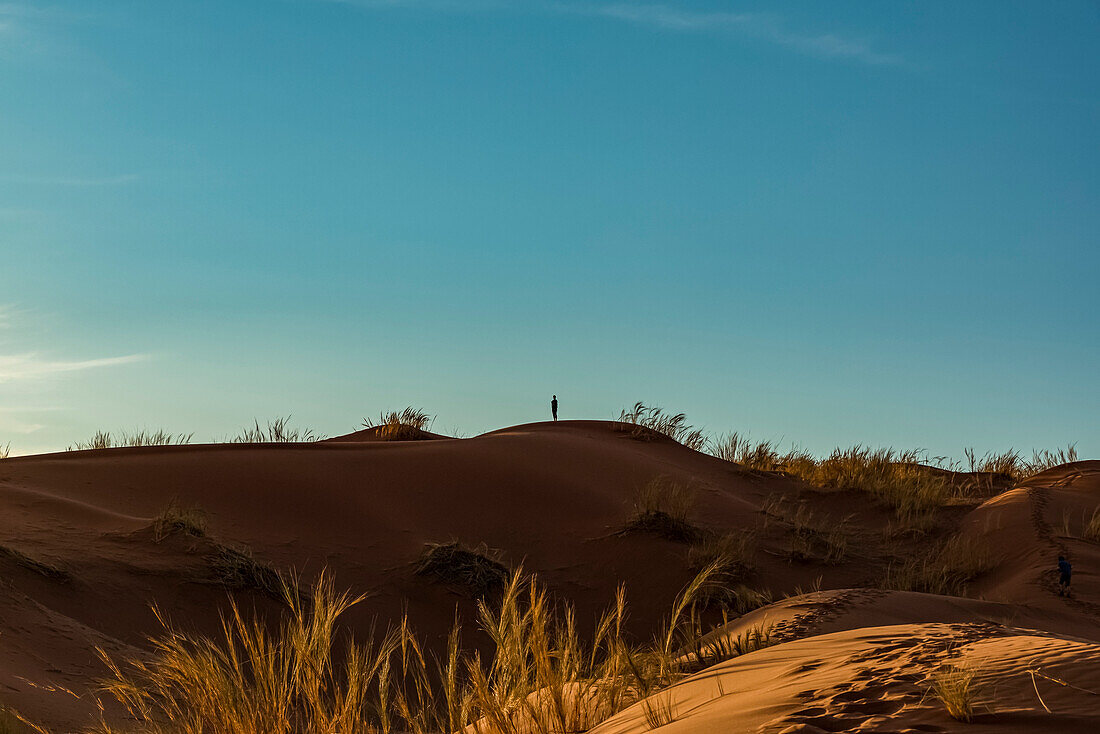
[(301, 676)]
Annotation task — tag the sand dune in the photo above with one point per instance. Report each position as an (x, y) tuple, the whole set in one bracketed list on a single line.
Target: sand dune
[(84, 565)]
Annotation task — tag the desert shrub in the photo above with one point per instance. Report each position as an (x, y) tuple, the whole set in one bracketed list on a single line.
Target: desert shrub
[(404, 425), (646, 423), (945, 569), (662, 507), (48, 570), (142, 437), (237, 568), (953, 685), (5, 451), (176, 519), (478, 570), (278, 430)]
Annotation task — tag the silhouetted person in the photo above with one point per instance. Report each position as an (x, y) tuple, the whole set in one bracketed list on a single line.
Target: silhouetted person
[(554, 406), (1064, 572)]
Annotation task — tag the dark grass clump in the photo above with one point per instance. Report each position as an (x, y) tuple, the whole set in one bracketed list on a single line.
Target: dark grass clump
[(662, 508), (237, 568), (477, 570), (176, 519), (663, 525), (54, 573)]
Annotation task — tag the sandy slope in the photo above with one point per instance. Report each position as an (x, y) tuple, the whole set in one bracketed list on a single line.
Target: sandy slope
[(551, 496)]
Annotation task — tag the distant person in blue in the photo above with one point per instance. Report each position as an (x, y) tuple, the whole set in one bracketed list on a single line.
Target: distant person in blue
[(554, 406), (1064, 572)]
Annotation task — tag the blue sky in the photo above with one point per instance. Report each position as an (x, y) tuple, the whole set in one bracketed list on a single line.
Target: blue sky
[(818, 223)]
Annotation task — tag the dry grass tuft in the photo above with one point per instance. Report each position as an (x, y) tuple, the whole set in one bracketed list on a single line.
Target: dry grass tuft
[(811, 538), (662, 508), (5, 451), (406, 425), (50, 571), (718, 646), (237, 568), (953, 685), (10, 723), (946, 569), (276, 431), (1092, 527), (734, 554), (1012, 463), (176, 519), (647, 423), (658, 710), (478, 570), (143, 437)]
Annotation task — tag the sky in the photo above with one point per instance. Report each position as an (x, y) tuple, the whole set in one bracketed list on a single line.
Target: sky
[(820, 224)]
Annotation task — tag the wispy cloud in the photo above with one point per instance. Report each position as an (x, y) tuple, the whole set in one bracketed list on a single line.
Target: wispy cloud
[(30, 366), (77, 181), (765, 27)]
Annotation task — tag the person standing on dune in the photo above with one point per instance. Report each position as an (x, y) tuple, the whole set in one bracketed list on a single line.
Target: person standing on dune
[(1064, 572), (554, 406)]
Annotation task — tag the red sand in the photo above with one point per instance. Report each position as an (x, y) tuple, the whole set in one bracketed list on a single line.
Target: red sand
[(552, 496)]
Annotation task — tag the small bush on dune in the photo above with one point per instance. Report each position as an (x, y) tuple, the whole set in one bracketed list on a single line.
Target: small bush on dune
[(646, 423), (405, 425), (662, 508), (5, 451), (478, 570)]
